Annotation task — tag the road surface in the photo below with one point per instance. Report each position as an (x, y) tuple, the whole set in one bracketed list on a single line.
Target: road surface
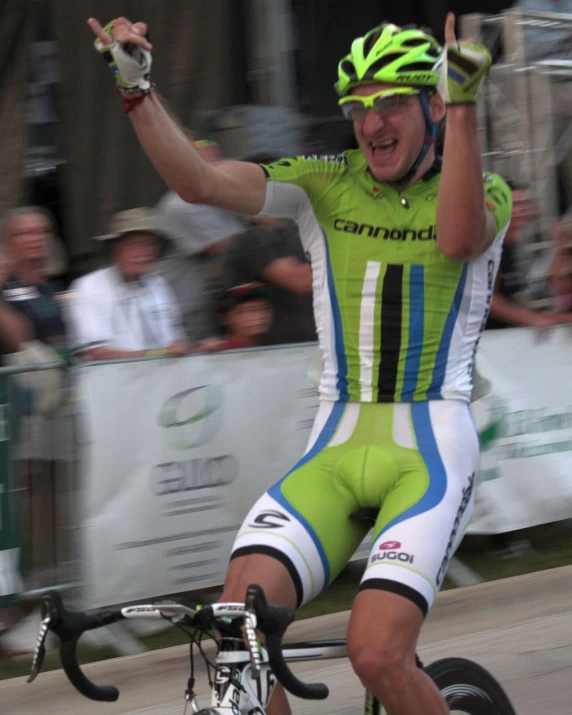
[(521, 629)]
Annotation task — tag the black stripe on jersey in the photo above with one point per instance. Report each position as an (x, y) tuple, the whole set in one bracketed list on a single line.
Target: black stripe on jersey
[(391, 318)]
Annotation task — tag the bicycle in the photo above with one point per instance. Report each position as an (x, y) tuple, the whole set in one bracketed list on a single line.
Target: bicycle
[(245, 671)]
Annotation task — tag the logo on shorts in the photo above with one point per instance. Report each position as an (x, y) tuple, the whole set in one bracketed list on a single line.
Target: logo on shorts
[(391, 551), (390, 546), (270, 520), (465, 501), (400, 556)]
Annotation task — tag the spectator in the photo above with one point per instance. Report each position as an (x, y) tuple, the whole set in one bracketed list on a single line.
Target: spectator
[(506, 310), (44, 436), (14, 328), (560, 272), (270, 251), (245, 311), (192, 265), (28, 242), (547, 43), (124, 310)]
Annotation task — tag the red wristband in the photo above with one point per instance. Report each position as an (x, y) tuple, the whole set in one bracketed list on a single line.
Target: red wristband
[(131, 102)]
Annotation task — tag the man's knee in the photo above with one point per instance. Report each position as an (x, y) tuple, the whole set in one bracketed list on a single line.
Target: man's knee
[(381, 666), (382, 637)]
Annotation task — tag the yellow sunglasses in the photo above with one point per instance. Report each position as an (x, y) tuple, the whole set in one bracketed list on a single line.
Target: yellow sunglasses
[(384, 102)]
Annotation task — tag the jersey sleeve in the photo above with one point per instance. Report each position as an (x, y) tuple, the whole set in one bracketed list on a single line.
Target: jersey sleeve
[(498, 200), (296, 185), (308, 178)]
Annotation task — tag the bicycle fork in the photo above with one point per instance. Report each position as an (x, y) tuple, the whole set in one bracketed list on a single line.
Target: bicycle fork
[(235, 689)]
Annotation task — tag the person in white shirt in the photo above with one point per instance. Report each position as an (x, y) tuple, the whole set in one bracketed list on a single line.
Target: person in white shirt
[(126, 310), (194, 263)]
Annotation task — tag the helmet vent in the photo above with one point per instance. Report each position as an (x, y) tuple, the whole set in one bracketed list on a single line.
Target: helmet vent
[(383, 62), (348, 67), (370, 41), (414, 67), (434, 52), (414, 42)]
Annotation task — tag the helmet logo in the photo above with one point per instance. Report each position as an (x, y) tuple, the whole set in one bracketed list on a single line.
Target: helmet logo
[(414, 77)]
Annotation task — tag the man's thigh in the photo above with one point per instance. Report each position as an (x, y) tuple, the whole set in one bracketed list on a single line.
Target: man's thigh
[(264, 571), (304, 523), (423, 519)]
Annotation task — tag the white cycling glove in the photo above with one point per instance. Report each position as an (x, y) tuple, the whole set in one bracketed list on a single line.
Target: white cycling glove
[(130, 64)]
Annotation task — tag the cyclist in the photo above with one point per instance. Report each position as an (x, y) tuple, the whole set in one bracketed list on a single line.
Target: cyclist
[(404, 252)]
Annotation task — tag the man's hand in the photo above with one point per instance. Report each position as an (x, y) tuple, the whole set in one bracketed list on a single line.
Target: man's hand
[(209, 345), (549, 320), (126, 49), (464, 67), (179, 348), (564, 318)]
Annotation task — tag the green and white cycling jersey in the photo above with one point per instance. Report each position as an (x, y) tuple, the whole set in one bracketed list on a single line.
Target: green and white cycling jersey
[(397, 320)]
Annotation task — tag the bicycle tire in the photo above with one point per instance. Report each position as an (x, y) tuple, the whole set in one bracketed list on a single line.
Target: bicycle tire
[(469, 688)]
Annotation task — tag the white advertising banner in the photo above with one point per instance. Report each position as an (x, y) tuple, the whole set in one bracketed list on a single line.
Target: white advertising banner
[(176, 452), (525, 430)]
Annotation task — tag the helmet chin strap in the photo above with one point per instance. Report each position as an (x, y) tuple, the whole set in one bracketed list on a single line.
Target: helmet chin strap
[(431, 132)]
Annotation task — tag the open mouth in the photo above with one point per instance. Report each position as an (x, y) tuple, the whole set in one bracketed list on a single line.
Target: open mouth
[(383, 150)]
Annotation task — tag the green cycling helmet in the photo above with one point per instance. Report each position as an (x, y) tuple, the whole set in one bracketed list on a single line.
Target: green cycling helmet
[(392, 54)]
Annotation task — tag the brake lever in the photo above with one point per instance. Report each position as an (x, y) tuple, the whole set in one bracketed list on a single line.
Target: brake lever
[(40, 650), (51, 609), (273, 622), (251, 639)]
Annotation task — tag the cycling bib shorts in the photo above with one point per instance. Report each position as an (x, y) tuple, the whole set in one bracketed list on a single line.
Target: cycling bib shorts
[(415, 462)]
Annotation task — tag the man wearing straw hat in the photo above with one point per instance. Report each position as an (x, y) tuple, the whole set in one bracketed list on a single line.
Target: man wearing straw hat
[(125, 310)]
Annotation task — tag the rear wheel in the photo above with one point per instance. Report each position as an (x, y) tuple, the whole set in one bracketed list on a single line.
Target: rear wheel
[(468, 688), (465, 686)]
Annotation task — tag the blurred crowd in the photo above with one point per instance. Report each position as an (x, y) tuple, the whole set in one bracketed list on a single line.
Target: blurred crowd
[(175, 278)]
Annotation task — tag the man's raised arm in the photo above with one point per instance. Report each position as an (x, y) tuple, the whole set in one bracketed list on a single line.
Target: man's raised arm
[(464, 227), (234, 185)]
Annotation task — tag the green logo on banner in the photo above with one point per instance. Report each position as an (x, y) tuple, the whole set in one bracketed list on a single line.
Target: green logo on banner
[(193, 417), (488, 436), (519, 434)]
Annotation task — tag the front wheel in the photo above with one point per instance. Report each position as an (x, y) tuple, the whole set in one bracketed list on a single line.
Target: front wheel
[(468, 688)]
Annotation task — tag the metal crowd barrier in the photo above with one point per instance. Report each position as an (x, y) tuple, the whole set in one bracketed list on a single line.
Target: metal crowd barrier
[(38, 484)]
